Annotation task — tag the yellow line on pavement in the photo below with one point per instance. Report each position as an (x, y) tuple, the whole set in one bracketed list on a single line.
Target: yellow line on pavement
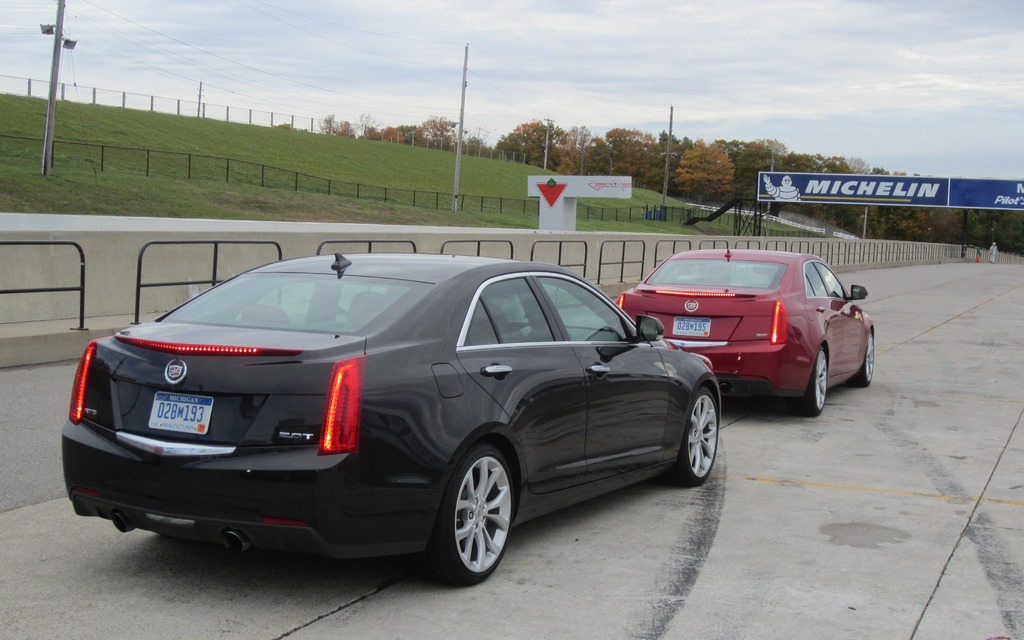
[(918, 494)]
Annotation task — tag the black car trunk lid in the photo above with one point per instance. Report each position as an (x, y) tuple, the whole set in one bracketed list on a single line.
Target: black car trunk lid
[(225, 386)]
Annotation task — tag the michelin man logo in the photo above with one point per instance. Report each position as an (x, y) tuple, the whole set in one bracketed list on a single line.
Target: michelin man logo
[(785, 192)]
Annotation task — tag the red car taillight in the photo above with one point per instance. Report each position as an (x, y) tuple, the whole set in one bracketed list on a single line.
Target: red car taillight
[(340, 433), (78, 389), (780, 324), (621, 301)]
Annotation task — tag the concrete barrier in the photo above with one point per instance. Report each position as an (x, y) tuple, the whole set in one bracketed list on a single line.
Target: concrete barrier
[(120, 253)]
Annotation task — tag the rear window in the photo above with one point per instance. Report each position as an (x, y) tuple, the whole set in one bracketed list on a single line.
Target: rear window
[(719, 273), (299, 302)]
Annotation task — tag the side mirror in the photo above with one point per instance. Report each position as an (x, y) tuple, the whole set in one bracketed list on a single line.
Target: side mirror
[(649, 329), (858, 292)]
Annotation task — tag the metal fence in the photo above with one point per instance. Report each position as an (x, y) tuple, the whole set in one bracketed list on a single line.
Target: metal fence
[(79, 289)]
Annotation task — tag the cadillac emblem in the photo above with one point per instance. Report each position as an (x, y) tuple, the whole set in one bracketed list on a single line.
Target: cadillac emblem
[(691, 306), (175, 371)]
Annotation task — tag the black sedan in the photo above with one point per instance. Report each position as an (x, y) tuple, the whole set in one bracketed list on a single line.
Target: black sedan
[(382, 404)]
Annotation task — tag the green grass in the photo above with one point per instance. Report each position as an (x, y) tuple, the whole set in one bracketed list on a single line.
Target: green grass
[(79, 187)]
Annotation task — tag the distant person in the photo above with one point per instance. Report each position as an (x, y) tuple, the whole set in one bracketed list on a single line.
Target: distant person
[(993, 253)]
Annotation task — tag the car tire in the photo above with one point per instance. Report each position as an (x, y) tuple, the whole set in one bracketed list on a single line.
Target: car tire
[(473, 521), (812, 401), (867, 368), (699, 444)]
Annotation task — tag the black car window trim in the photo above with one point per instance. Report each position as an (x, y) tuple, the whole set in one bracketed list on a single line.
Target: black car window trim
[(554, 322), (556, 331)]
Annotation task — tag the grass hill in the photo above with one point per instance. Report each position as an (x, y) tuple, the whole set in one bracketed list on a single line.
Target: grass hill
[(82, 188)]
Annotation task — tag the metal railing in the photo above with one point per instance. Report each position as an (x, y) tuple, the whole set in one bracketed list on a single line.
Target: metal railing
[(81, 275), (214, 280), (562, 244), (622, 262), (369, 244), (618, 260), (479, 246)]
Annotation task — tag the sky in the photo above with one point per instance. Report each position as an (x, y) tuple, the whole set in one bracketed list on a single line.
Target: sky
[(929, 87)]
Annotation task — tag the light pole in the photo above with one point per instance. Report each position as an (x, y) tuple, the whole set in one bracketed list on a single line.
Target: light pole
[(51, 105), (547, 141), (458, 144), (668, 154)]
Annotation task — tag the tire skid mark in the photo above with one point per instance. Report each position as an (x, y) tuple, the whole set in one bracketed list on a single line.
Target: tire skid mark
[(1004, 577), (687, 557)]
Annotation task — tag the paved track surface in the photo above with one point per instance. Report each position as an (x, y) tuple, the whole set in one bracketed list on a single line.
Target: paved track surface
[(899, 513)]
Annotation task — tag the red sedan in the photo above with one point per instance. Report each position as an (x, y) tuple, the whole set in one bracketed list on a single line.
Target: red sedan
[(772, 323)]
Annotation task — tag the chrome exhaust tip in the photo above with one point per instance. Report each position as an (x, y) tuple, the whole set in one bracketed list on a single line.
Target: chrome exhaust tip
[(235, 540)]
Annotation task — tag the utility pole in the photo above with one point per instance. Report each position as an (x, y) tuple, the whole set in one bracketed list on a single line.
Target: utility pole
[(458, 144), (51, 105), (547, 141), (199, 105), (668, 154)]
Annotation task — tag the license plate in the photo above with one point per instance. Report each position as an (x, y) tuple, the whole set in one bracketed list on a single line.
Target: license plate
[(181, 412), (692, 327)]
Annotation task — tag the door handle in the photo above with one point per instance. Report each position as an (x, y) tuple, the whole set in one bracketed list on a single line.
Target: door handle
[(599, 369), (498, 371), (820, 309)]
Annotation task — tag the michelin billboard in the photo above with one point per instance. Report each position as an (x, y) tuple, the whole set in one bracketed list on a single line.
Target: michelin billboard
[(896, 191)]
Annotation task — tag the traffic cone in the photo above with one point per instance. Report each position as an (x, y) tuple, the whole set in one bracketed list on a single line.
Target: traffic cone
[(977, 258)]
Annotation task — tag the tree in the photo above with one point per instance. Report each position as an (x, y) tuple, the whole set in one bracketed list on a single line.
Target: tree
[(749, 159), (477, 139), (409, 133), (438, 132), (635, 153), (705, 172), (328, 125), (368, 126), (573, 150), (334, 127), (527, 140), (392, 134), (858, 165)]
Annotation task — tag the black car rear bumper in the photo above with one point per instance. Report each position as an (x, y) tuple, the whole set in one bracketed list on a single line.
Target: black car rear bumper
[(276, 498)]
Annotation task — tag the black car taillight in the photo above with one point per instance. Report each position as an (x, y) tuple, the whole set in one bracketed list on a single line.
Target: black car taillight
[(77, 409), (340, 432)]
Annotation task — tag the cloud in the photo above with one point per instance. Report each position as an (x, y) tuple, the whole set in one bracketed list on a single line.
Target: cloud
[(911, 85)]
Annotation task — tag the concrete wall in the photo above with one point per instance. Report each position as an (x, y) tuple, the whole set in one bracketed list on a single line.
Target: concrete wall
[(112, 245)]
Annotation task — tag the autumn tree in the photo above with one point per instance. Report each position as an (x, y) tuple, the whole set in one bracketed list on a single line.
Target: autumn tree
[(408, 133), (675, 152), (392, 134), (634, 153), (705, 172), (526, 140), (437, 131), (573, 148)]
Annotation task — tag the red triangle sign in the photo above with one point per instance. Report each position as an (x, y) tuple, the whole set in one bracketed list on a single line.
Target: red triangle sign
[(551, 191)]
